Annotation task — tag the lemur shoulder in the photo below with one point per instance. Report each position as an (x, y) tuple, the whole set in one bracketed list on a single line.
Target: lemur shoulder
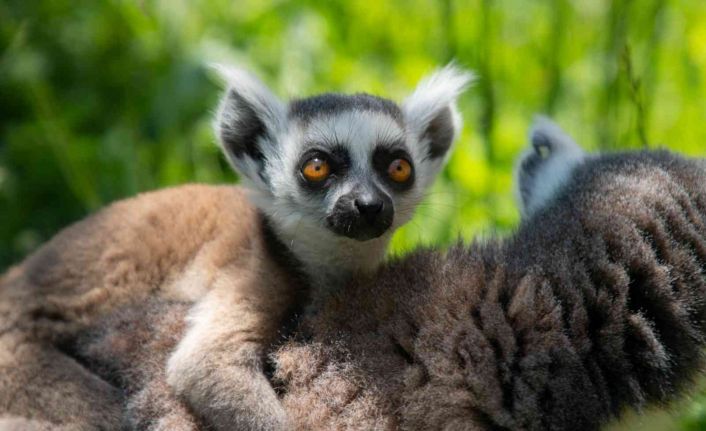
[(327, 180)]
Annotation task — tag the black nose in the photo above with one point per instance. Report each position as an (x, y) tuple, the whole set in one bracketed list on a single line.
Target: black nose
[(369, 208), (361, 215)]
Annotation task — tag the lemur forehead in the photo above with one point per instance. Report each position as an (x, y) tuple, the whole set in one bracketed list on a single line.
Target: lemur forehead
[(333, 103)]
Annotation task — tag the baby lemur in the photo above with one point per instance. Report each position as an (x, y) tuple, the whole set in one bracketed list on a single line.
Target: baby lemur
[(331, 177)]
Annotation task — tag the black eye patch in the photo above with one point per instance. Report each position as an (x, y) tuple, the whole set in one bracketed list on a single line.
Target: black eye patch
[(383, 156), (337, 158)]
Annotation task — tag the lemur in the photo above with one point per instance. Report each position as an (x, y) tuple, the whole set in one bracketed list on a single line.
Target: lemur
[(336, 174), (330, 178), (595, 304)]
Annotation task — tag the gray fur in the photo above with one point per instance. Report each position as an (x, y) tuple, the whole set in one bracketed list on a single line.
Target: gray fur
[(335, 103), (545, 166)]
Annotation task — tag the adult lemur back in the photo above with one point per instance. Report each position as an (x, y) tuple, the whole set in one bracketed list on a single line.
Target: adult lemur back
[(331, 176)]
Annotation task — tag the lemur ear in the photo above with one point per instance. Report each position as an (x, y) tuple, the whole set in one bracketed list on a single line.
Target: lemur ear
[(545, 165), (430, 112), (547, 137), (248, 122)]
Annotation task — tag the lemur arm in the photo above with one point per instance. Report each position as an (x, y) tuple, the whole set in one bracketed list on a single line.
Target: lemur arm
[(217, 366)]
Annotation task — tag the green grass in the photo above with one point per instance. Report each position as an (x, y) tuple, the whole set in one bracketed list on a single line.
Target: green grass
[(103, 99)]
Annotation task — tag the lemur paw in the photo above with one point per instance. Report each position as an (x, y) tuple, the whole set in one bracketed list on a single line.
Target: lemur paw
[(226, 395)]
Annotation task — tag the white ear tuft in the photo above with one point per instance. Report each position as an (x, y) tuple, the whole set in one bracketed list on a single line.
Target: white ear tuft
[(248, 122), (430, 111)]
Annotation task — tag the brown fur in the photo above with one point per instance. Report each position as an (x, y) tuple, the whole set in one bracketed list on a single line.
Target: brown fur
[(595, 305), (194, 244)]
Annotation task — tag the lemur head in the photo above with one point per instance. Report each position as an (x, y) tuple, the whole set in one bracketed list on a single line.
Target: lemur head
[(351, 166), (545, 166)]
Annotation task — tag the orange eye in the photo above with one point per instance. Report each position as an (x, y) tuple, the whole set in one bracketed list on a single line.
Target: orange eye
[(399, 170), (316, 170)]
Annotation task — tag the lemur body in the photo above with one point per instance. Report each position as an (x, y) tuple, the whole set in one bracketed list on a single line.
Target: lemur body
[(594, 305), (198, 245), (331, 177)]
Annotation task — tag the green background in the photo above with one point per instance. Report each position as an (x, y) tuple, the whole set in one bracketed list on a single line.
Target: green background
[(103, 99)]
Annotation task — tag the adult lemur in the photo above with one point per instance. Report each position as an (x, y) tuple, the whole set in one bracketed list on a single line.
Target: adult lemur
[(595, 304), (331, 176)]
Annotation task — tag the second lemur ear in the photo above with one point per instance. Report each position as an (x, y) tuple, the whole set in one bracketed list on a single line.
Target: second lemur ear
[(248, 122), (545, 166), (430, 111)]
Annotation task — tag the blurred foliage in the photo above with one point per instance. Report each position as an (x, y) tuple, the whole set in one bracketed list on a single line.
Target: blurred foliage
[(103, 99)]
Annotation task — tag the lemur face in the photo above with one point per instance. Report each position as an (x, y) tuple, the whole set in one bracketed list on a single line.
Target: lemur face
[(344, 166), (349, 164)]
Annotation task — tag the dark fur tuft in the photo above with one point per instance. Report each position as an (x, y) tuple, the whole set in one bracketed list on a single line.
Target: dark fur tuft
[(334, 103), (441, 133), (242, 128)]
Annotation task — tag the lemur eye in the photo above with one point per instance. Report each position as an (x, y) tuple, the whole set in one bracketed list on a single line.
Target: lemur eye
[(316, 170), (399, 170)]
